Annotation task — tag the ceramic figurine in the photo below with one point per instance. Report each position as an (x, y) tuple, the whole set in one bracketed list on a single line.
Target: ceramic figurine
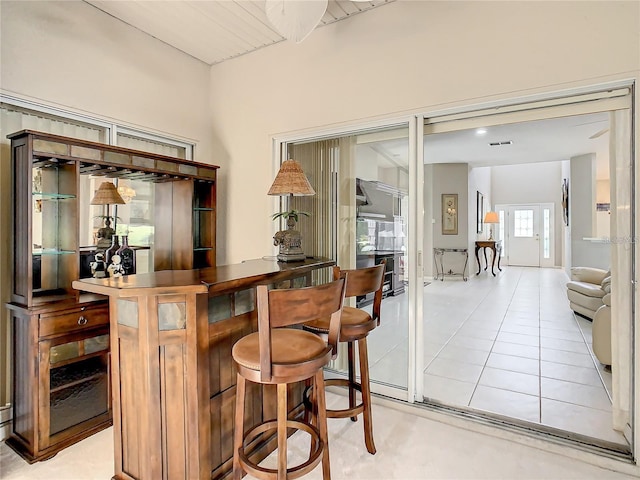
[(98, 266), (115, 269)]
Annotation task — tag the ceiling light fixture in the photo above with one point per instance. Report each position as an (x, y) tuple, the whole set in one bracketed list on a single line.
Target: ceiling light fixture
[(599, 133), (295, 19), (481, 131)]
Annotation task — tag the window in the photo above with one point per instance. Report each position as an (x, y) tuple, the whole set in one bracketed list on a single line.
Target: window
[(501, 230), (135, 218), (546, 233), (523, 223), (20, 114)]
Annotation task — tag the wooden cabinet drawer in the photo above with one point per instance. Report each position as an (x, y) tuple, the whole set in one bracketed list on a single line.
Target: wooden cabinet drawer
[(73, 320)]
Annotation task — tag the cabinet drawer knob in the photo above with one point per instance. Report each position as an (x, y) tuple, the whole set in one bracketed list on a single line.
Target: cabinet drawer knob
[(82, 320)]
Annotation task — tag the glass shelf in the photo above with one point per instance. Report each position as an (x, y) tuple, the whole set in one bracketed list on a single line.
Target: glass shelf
[(52, 196), (51, 251), (202, 249), (202, 209)]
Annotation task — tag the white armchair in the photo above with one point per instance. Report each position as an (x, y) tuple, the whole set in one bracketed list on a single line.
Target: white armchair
[(586, 289)]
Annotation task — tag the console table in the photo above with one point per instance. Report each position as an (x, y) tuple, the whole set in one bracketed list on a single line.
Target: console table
[(438, 254), (496, 248), (173, 376)]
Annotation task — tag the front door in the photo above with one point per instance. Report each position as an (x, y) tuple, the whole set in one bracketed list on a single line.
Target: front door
[(523, 235)]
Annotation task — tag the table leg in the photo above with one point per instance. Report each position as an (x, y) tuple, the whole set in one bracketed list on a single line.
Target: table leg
[(486, 263), (478, 259), (464, 269), (493, 260)]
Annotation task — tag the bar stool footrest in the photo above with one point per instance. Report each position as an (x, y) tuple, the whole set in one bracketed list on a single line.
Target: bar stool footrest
[(314, 459), (336, 413)]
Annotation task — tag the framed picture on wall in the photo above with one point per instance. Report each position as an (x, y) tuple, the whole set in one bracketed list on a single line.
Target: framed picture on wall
[(479, 212), (565, 201), (449, 213)]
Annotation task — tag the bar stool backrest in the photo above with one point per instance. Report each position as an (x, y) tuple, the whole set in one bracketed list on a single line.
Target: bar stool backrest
[(362, 281), (292, 306)]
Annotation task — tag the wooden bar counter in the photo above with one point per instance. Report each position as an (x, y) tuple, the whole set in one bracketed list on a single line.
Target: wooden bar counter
[(173, 379)]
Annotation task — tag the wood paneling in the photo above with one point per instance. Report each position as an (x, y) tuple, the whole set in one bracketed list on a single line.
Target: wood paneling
[(177, 387)]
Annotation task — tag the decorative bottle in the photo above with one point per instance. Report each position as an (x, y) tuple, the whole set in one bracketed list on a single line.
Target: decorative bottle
[(111, 251), (127, 256)]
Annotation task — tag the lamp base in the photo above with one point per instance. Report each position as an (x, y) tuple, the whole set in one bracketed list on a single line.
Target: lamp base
[(289, 243), (291, 257)]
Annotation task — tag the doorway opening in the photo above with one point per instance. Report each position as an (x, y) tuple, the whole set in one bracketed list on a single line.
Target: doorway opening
[(509, 347)]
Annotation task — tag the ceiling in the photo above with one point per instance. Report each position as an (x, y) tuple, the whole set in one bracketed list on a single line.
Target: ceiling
[(215, 31), (536, 141)]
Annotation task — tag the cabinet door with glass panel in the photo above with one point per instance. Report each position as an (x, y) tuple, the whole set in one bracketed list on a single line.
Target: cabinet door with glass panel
[(75, 390), (45, 226)]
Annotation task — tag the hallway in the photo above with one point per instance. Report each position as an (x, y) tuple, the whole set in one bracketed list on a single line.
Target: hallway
[(509, 345)]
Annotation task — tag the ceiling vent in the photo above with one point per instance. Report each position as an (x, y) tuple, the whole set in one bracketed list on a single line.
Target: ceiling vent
[(497, 144)]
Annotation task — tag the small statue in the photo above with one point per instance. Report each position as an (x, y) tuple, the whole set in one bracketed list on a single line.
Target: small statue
[(98, 266), (116, 269)]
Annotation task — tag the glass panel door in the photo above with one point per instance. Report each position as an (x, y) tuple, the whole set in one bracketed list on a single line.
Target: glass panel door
[(359, 217)]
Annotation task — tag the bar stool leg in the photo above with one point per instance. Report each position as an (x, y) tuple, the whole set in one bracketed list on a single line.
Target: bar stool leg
[(311, 410), (322, 423), (238, 426), (282, 431), (352, 377), (366, 395)]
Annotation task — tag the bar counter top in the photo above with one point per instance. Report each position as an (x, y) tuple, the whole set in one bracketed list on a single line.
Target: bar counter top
[(214, 280)]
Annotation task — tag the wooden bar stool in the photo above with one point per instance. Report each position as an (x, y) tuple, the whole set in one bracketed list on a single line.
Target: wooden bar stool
[(280, 356), (355, 326)]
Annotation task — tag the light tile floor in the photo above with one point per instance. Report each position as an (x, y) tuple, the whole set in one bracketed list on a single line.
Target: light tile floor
[(508, 345), (409, 447)]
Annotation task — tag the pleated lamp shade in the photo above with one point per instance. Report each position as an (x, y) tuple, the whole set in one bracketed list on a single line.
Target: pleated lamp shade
[(491, 217), (107, 194), (291, 180)]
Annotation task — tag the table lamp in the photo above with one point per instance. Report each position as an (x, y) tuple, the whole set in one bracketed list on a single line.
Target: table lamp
[(491, 218), (107, 195), (290, 181)]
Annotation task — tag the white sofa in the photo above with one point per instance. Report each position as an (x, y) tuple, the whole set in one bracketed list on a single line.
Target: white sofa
[(586, 290), (601, 332)]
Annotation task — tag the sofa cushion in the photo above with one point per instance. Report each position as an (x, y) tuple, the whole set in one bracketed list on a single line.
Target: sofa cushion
[(592, 303), (606, 284), (588, 289), (607, 299), (589, 274)]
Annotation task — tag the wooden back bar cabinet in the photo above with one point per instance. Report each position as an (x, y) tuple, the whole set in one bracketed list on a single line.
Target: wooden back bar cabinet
[(60, 337), (171, 366)]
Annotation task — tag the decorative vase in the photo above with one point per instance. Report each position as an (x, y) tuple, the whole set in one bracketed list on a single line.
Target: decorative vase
[(127, 256), (111, 251)]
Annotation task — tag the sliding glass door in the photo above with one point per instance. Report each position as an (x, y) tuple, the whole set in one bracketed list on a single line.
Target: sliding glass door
[(361, 214)]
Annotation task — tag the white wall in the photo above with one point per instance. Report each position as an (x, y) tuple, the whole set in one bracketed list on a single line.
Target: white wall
[(479, 181), (70, 55), (451, 178), (403, 57), (531, 183), (565, 172), (582, 215)]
